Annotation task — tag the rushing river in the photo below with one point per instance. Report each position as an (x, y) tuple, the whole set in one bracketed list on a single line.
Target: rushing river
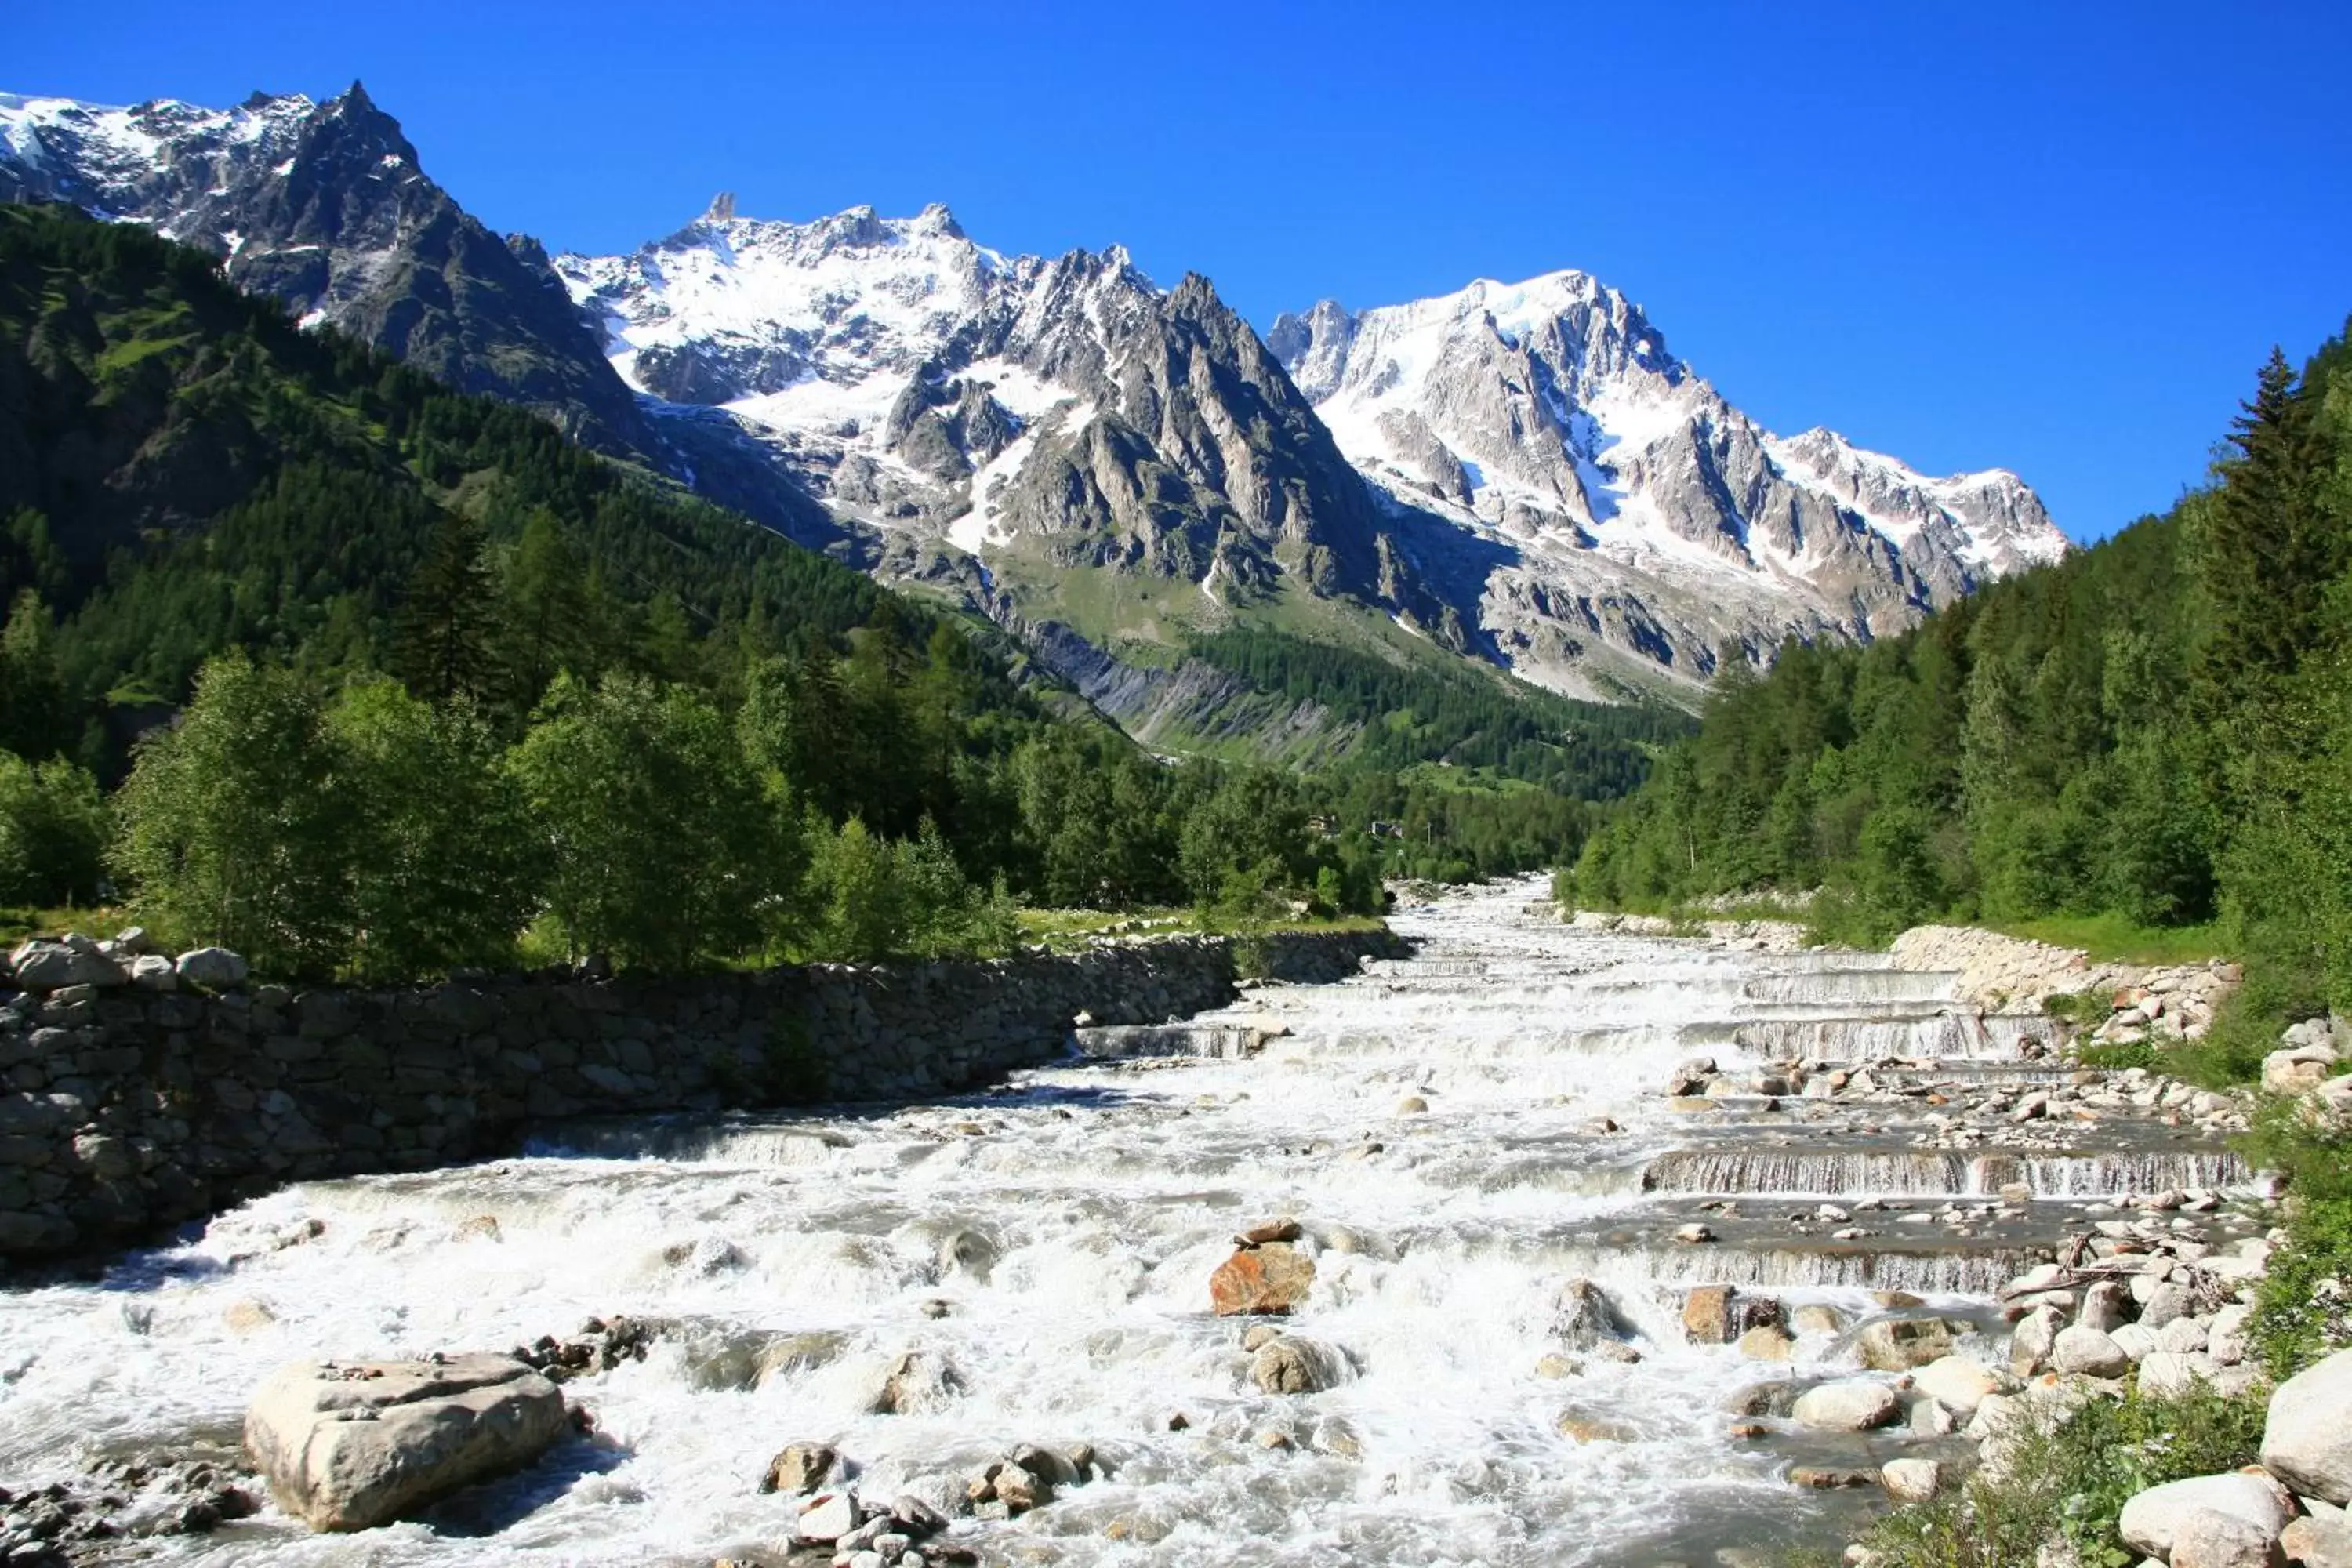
[(1047, 1249)]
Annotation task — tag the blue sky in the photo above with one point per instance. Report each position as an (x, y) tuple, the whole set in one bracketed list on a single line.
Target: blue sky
[(2058, 237)]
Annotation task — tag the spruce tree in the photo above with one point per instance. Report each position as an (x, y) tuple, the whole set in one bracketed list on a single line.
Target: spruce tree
[(2267, 560), (547, 623), (33, 708), (441, 646)]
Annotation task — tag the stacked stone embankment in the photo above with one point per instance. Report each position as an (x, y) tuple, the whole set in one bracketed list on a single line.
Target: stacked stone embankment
[(136, 1091), (2018, 975)]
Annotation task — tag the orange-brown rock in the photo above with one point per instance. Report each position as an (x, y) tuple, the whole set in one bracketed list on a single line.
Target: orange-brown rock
[(1708, 1314), (1273, 1278)]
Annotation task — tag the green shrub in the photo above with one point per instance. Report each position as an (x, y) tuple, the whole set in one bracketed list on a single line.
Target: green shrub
[(2068, 1478), (234, 822), (870, 897), (2302, 1307), (53, 832), (374, 835), (2074, 1006), (2120, 1055)]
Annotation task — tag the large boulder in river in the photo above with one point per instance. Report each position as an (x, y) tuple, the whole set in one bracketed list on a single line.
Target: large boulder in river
[(1585, 1315), (1962, 1383), (1899, 1345), (353, 1445), (2307, 1440), (1273, 1276), (1287, 1364), (1719, 1314), (1849, 1405), (799, 1468)]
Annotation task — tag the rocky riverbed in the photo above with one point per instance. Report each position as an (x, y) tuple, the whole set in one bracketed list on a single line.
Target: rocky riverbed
[(1547, 1245)]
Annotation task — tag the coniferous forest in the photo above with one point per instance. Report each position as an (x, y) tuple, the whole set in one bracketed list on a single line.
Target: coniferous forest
[(2158, 729), (309, 655)]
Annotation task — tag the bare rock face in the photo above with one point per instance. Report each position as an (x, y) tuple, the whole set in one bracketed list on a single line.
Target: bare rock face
[(1274, 1278), (353, 1445)]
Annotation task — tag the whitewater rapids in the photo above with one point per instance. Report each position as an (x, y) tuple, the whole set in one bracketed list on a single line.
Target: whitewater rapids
[(1052, 1243)]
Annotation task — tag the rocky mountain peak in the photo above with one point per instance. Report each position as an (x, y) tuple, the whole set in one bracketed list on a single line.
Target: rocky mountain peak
[(1522, 470), (327, 208), (1549, 414), (936, 219)]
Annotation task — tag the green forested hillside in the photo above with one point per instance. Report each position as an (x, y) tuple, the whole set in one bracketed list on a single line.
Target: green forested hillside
[(2159, 727), (1462, 716), (441, 674), (182, 470)]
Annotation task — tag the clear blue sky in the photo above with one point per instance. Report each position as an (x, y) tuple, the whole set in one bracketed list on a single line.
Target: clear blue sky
[(2057, 236)]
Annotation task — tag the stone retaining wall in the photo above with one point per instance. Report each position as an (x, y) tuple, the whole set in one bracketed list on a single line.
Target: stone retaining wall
[(125, 1109), (2018, 975)]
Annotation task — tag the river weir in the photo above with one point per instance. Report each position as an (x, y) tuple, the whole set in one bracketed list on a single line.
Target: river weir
[(1459, 1136)]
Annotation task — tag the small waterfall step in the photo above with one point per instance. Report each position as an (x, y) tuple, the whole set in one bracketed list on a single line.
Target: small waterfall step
[(1829, 1171), (1944, 1035), (1826, 986), (1217, 1041)]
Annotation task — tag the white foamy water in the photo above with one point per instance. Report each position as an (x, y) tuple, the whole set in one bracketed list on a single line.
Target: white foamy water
[(1066, 1229)]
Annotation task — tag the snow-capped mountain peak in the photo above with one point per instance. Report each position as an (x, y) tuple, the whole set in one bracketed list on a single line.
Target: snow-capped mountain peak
[(1518, 471), (1551, 413)]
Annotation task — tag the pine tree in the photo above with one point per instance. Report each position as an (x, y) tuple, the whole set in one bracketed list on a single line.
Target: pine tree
[(547, 623), (441, 646), (33, 706), (2266, 559)]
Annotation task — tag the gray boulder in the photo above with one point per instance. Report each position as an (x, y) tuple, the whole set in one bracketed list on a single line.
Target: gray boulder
[(2035, 1335), (799, 1468), (1962, 1383), (2152, 1520), (2307, 1440), (2318, 1541), (2208, 1539), (1849, 1405), (1585, 1315), (1898, 1344), (2169, 1375), (349, 1446), (214, 968), (1911, 1481), (152, 972), (2089, 1352), (827, 1519), (53, 965), (2105, 1307), (1287, 1364)]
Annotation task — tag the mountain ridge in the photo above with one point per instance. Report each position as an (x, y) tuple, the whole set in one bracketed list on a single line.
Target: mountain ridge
[(1521, 473)]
